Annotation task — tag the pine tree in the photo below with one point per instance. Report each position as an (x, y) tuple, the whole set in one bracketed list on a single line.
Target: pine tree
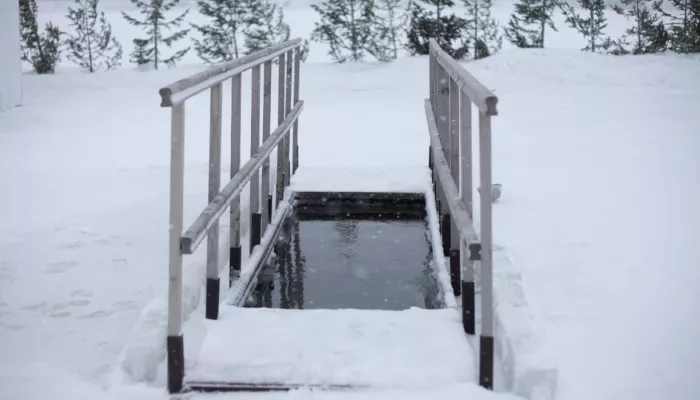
[(222, 38), (389, 25), (304, 51), (445, 27), (684, 28), (526, 27), (149, 50), (43, 51), (483, 30), (346, 27), (267, 27), (591, 26), (93, 46), (648, 33)]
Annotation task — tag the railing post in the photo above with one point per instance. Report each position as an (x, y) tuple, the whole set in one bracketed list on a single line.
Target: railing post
[(280, 117), (212, 301), (175, 342), (468, 290), (455, 275), (287, 109), (295, 128), (486, 347), (235, 232), (255, 217), (266, 196)]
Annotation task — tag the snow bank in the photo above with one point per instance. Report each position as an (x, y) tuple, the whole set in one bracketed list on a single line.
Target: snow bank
[(528, 365), (144, 353), (407, 179)]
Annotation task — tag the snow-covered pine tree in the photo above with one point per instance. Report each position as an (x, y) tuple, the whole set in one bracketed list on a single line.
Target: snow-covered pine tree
[(441, 24), (482, 31), (92, 46), (684, 26), (648, 32), (222, 37), (346, 26), (389, 25), (267, 26), (526, 27), (591, 24), (159, 31), (43, 51)]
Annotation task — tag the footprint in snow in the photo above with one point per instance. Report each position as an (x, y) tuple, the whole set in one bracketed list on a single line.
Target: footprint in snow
[(67, 304), (60, 266), (96, 314)]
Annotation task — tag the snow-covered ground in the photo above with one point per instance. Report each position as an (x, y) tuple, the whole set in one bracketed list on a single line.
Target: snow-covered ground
[(597, 155)]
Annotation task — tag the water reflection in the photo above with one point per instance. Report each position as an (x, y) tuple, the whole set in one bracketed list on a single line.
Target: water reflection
[(358, 263)]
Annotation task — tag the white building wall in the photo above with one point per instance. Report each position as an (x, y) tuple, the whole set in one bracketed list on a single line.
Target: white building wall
[(10, 65)]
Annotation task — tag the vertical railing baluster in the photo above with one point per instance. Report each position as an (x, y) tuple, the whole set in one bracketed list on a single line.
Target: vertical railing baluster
[(455, 275), (266, 196), (468, 290), (443, 115), (212, 300), (436, 110), (255, 217), (431, 65), (295, 128), (175, 342), (287, 109), (486, 348), (280, 117), (433, 79), (235, 232)]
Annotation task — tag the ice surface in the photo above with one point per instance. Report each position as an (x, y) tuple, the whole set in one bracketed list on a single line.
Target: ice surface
[(597, 155)]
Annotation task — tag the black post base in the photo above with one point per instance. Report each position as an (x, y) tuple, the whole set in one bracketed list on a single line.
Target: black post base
[(212, 304), (468, 307), (486, 362), (446, 233), (295, 163), (430, 157), (269, 208), (234, 264), (176, 363), (455, 272), (255, 230)]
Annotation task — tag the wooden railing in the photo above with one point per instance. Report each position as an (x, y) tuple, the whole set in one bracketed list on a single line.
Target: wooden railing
[(449, 112), (206, 225)]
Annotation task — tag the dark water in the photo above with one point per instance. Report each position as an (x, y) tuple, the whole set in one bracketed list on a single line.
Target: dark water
[(358, 263)]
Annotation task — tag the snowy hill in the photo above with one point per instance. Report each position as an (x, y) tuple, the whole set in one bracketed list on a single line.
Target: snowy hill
[(597, 155)]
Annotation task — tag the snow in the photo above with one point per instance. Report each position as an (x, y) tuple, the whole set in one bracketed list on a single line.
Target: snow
[(597, 156), (528, 363), (281, 211), (382, 349), (465, 391), (407, 179), (440, 264)]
